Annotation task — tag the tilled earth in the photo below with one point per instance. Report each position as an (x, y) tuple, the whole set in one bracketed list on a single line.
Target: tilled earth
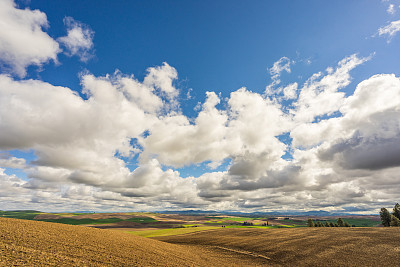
[(34, 243), (377, 246)]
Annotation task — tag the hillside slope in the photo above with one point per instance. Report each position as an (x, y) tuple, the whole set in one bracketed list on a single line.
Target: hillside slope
[(304, 246), (36, 243)]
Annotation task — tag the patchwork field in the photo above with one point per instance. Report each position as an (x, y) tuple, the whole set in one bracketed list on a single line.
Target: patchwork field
[(154, 224), (33, 243), (148, 224)]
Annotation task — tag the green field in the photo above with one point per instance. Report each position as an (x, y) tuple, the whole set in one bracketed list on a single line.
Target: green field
[(226, 220), (209, 222), (68, 217), (141, 220), (187, 229), (20, 214), (238, 219), (72, 221)]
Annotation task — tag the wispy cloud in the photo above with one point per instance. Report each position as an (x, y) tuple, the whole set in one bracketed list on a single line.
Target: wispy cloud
[(390, 30), (391, 9), (283, 64)]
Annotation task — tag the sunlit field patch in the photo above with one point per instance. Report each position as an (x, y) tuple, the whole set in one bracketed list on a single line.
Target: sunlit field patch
[(171, 231)]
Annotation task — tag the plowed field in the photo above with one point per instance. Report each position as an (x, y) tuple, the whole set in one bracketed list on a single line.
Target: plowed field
[(34, 243), (303, 246)]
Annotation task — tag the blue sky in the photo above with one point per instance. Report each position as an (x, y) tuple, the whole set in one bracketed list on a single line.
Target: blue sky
[(150, 114), (221, 46)]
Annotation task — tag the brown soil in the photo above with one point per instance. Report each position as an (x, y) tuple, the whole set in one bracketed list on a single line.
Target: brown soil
[(48, 217), (130, 229), (34, 243), (303, 246)]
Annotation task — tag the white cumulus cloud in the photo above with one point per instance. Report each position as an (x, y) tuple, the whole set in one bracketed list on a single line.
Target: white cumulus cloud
[(22, 39), (83, 146), (79, 39)]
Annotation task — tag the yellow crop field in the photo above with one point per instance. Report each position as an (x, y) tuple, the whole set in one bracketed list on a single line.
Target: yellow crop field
[(171, 231)]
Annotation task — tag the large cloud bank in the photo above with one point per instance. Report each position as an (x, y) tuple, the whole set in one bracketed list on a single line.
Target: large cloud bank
[(345, 149)]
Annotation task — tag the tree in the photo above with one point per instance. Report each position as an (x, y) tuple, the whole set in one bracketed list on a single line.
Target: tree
[(310, 223), (327, 224), (396, 211), (340, 222), (331, 224), (346, 224), (395, 221), (385, 217)]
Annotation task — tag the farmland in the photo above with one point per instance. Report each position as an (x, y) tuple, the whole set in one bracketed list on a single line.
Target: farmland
[(34, 243), (29, 242), (148, 224), (303, 246)]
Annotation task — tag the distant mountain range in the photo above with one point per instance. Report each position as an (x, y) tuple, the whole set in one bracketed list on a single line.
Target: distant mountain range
[(231, 213), (255, 214)]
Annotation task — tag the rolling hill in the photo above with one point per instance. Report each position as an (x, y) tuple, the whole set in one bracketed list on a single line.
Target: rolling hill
[(360, 246), (35, 243)]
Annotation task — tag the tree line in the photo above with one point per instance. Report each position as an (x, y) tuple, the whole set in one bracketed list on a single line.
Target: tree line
[(391, 219), (340, 223)]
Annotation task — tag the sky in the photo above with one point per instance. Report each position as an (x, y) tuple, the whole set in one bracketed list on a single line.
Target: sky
[(200, 105)]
